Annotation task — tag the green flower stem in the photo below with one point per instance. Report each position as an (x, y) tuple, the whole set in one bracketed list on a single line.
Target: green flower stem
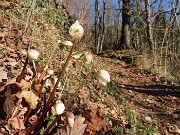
[(46, 66), (61, 73), (68, 103), (22, 73)]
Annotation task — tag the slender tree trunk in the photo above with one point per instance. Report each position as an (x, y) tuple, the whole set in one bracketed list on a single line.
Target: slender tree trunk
[(96, 25), (103, 26), (149, 27), (125, 33), (117, 24)]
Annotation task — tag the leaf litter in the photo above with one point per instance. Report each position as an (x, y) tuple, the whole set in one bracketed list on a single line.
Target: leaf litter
[(132, 83)]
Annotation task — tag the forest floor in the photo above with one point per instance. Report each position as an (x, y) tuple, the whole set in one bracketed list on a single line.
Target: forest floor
[(136, 101), (148, 96)]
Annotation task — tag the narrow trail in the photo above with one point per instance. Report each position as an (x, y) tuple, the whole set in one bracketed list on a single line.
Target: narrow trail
[(146, 94)]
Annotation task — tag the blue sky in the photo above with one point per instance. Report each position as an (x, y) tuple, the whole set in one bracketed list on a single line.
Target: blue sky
[(166, 5)]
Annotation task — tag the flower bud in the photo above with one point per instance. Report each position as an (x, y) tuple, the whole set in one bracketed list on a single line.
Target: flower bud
[(76, 30), (59, 107), (88, 57), (70, 118), (67, 43), (103, 77), (50, 72), (32, 54)]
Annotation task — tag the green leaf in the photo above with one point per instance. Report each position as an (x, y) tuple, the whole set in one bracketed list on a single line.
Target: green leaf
[(77, 56)]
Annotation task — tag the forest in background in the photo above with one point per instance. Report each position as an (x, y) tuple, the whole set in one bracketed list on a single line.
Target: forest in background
[(150, 28)]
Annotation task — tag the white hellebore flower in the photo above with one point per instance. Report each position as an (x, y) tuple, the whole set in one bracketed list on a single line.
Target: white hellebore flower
[(103, 77), (32, 54), (59, 107), (76, 30)]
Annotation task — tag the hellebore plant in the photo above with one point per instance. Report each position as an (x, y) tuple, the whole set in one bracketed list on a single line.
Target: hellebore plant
[(76, 31), (32, 55)]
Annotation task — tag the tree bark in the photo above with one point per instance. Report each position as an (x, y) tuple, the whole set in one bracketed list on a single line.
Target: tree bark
[(149, 27), (103, 27), (125, 33), (96, 25)]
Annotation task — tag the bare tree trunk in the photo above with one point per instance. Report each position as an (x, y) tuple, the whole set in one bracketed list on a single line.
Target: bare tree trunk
[(103, 26), (117, 24), (149, 27), (96, 27), (125, 33)]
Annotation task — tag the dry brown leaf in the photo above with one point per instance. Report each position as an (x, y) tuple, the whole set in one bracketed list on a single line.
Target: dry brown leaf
[(16, 123), (1, 46), (11, 81), (29, 71), (96, 123), (33, 118), (27, 78), (25, 84), (2, 40), (22, 112), (3, 74), (9, 104), (77, 129), (12, 63), (30, 98)]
